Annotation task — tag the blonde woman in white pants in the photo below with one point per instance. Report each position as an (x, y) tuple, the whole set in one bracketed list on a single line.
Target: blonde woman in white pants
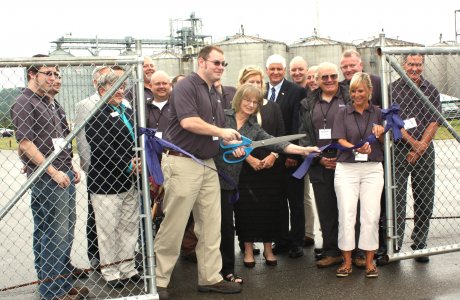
[(359, 174)]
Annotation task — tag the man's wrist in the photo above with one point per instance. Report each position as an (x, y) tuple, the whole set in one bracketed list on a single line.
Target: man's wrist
[(276, 155)]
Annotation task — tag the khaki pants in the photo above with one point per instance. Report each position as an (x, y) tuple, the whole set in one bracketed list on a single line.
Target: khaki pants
[(189, 186), (117, 224)]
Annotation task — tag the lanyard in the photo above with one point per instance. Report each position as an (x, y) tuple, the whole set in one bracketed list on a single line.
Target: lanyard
[(327, 112), (365, 126), (123, 117)]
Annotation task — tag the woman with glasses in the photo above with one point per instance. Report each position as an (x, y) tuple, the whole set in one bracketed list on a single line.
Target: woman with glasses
[(242, 117), (359, 174), (261, 178), (317, 115)]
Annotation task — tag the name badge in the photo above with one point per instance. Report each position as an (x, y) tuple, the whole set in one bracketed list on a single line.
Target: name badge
[(410, 123), (59, 143), (115, 114), (360, 157), (215, 138), (159, 134), (325, 134)]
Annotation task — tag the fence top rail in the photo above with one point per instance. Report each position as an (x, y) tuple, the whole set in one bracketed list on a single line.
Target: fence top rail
[(420, 50), (69, 61)]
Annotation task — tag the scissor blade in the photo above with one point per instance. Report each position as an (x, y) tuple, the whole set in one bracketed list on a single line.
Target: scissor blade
[(276, 140)]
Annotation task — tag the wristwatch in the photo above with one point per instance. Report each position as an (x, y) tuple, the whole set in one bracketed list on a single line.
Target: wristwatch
[(276, 155)]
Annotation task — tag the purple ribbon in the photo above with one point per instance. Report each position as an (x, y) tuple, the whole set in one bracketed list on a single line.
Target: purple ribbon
[(394, 122), (154, 146)]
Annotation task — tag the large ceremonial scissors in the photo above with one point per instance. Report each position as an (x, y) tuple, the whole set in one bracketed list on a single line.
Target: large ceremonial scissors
[(250, 145)]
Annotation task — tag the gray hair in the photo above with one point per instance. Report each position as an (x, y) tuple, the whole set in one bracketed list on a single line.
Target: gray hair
[(275, 59)]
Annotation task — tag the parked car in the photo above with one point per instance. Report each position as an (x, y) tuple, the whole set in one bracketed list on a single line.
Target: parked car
[(5, 132), (450, 107)]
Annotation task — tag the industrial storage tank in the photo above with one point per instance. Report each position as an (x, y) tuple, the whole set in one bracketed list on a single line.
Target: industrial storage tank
[(76, 84), (169, 62), (244, 50), (443, 70), (316, 50), (368, 51)]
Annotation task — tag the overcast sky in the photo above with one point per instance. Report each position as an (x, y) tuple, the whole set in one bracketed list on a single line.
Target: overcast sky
[(28, 27)]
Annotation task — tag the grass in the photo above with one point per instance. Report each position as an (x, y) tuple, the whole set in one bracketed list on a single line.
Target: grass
[(9, 143), (444, 134)]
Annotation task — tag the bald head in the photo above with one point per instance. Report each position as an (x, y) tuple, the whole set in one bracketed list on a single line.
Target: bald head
[(298, 70), (160, 84)]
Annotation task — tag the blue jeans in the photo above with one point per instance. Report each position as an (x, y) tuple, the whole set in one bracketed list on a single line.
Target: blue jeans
[(54, 214)]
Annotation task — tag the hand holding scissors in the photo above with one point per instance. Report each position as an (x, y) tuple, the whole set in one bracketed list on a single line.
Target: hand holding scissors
[(249, 145)]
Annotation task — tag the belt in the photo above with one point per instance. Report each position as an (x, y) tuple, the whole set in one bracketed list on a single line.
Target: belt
[(174, 153)]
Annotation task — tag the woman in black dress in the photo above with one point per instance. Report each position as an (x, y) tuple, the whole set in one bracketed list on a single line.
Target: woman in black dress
[(258, 212)]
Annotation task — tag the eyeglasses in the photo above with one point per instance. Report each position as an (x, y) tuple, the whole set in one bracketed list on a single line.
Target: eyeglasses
[(310, 77), (331, 77), (51, 73), (255, 103), (218, 63)]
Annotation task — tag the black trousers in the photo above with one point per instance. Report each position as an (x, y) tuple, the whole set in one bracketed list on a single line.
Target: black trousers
[(227, 231), (328, 213), (293, 210), (91, 233)]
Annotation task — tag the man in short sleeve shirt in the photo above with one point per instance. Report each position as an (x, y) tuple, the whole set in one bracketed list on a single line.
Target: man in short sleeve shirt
[(414, 155), (196, 117), (41, 127)]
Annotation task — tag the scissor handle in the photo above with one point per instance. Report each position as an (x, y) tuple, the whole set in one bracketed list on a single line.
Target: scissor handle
[(244, 142), (234, 159)]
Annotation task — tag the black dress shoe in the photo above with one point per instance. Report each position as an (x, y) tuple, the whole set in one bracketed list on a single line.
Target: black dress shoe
[(296, 252), (249, 264), (271, 263), (422, 259), (381, 260), (280, 249)]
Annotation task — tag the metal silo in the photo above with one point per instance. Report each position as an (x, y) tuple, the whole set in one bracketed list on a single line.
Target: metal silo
[(168, 62), (316, 50), (244, 50), (76, 84)]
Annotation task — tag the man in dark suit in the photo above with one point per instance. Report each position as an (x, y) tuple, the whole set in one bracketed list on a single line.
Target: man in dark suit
[(288, 96)]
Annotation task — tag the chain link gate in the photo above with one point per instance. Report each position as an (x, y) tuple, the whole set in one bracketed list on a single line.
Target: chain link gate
[(28, 272), (422, 189)]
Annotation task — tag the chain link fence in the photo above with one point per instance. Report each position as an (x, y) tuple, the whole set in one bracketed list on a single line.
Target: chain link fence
[(422, 175), (49, 245)]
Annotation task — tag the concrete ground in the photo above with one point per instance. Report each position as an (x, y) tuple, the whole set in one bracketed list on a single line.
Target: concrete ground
[(300, 279)]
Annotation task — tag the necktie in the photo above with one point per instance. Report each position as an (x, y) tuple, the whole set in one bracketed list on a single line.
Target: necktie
[(272, 96)]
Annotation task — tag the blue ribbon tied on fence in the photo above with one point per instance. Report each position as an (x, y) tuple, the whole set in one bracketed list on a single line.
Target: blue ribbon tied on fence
[(394, 122), (154, 146)]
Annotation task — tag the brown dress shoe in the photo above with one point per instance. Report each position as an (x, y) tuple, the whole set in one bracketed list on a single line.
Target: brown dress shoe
[(329, 261)]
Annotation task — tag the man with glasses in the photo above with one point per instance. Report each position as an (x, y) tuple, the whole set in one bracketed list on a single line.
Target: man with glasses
[(196, 118), (288, 96), (317, 115), (41, 127), (414, 155)]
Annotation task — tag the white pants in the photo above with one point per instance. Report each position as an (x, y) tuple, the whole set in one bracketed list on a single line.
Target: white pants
[(117, 224), (308, 208), (362, 182)]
